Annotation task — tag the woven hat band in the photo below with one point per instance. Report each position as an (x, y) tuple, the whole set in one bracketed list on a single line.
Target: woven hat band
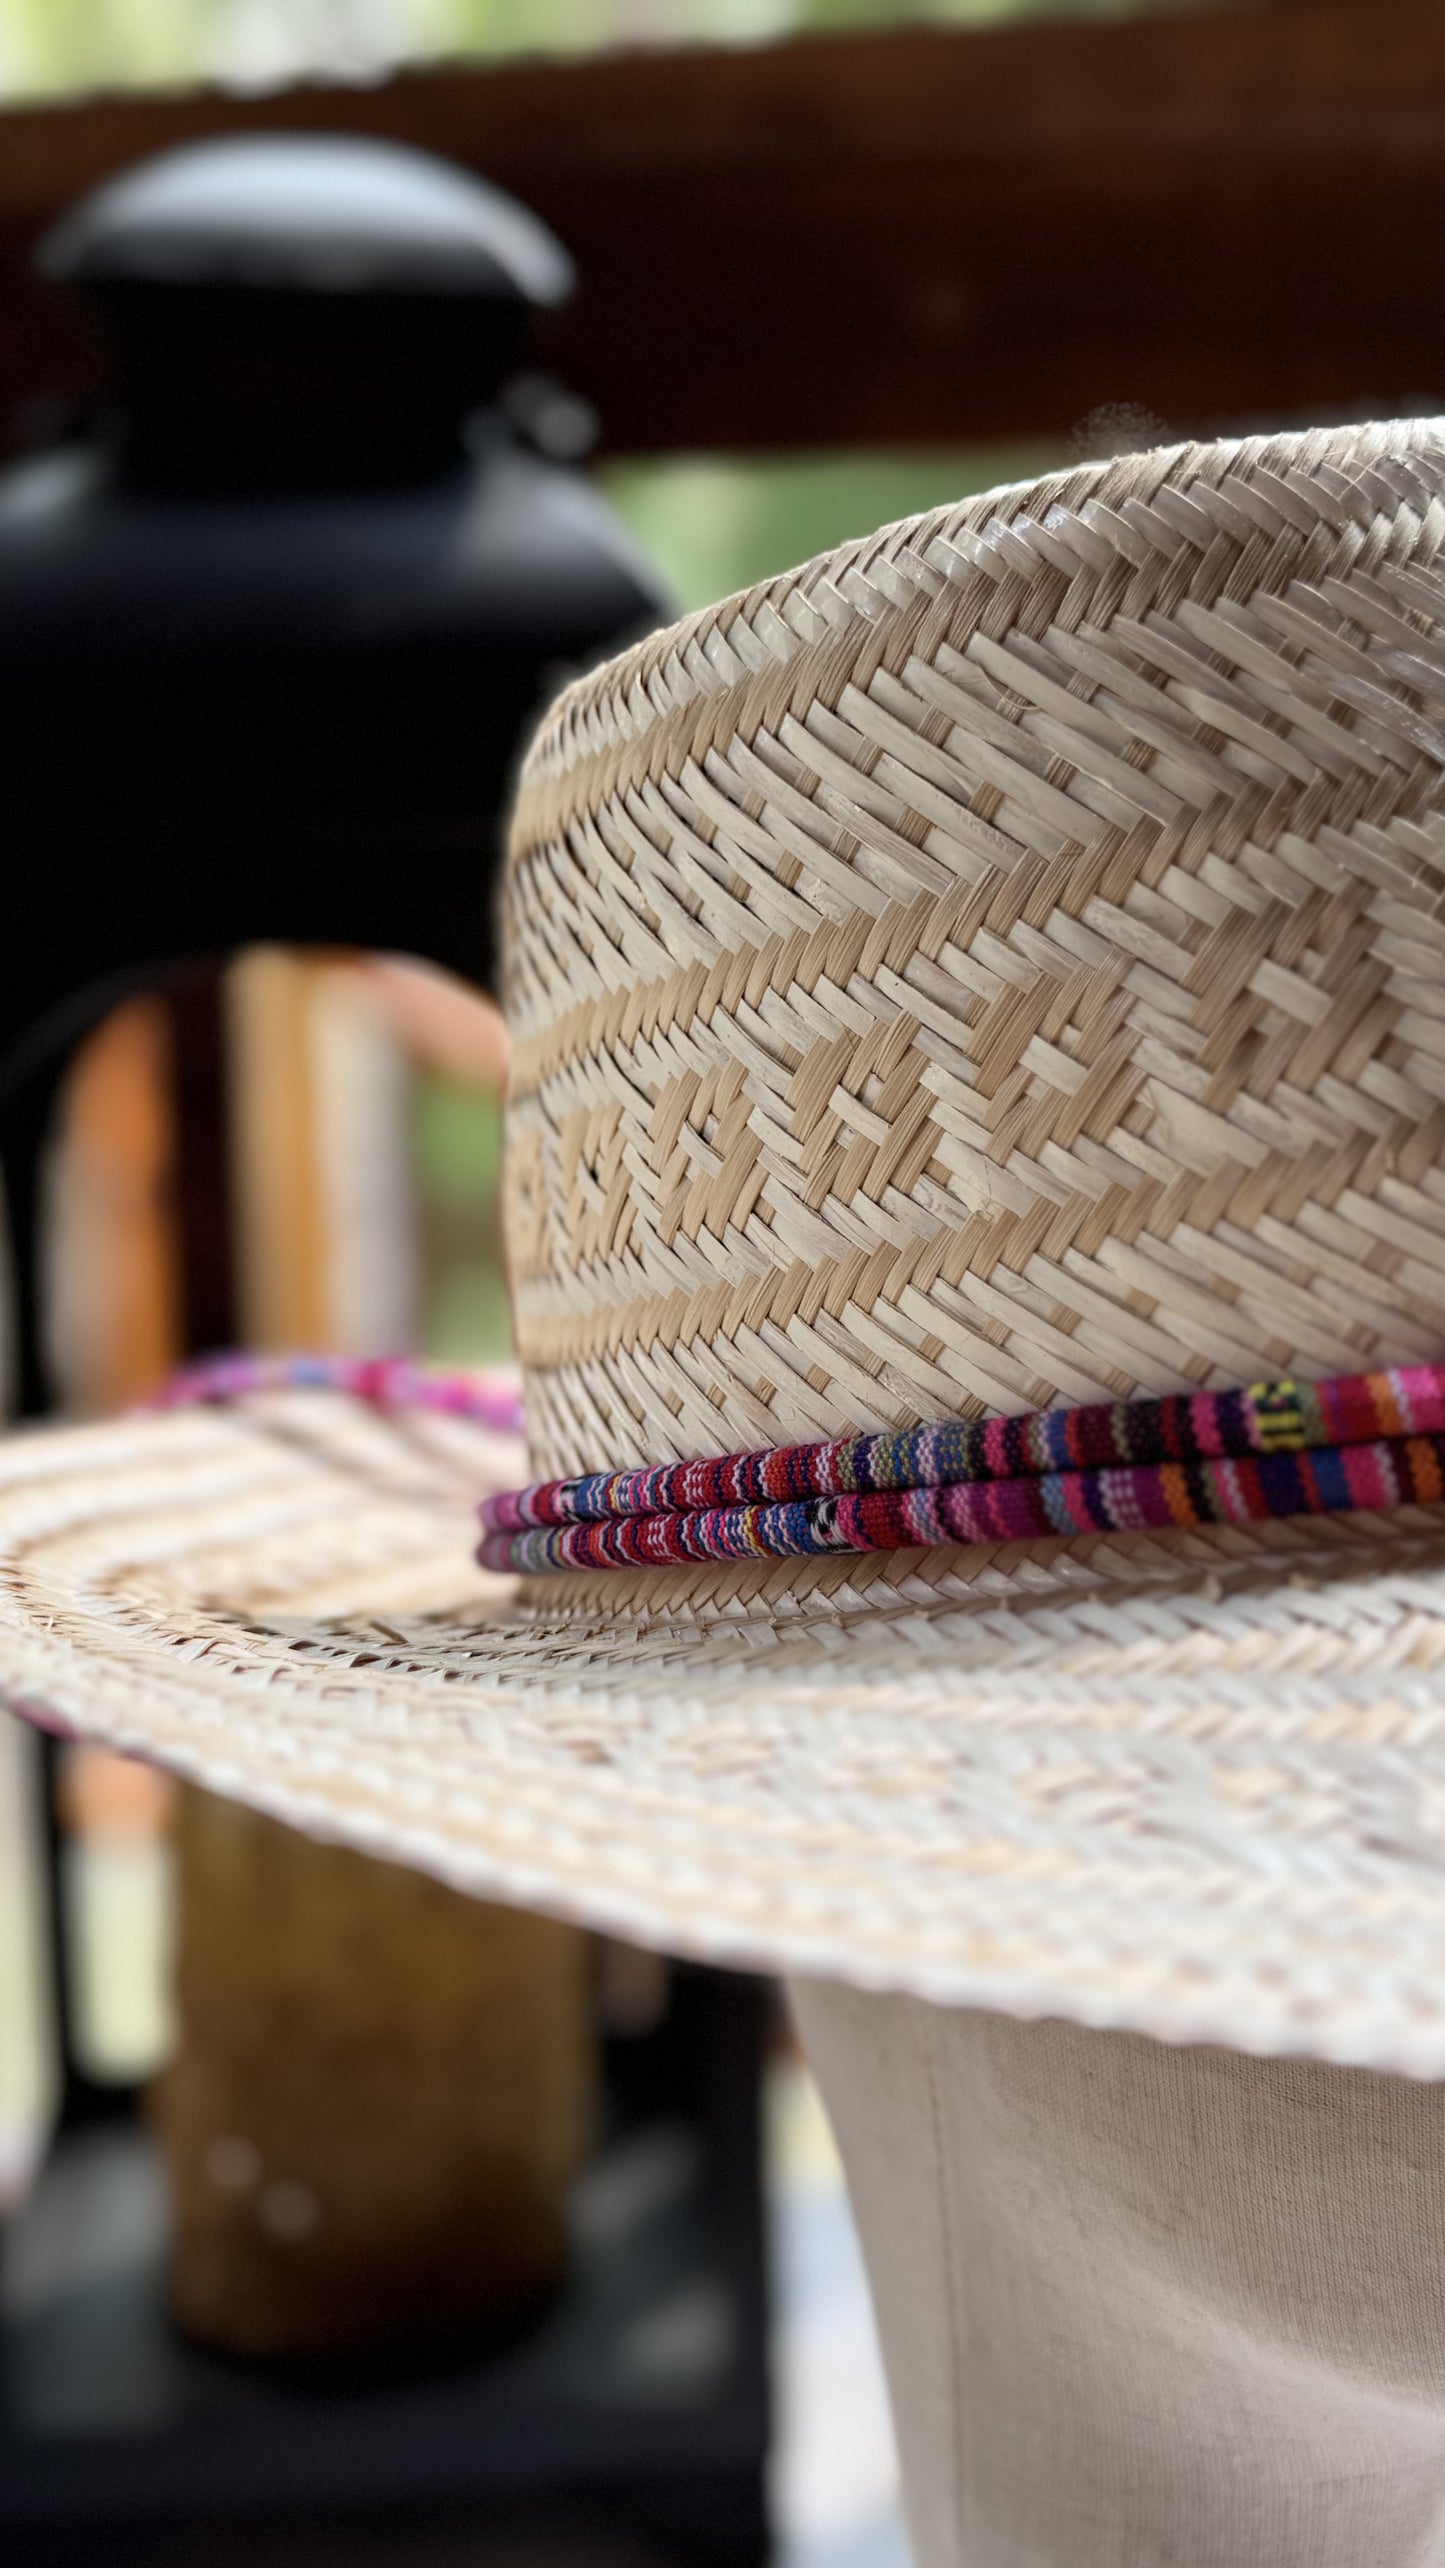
[(1360, 1442), (996, 969)]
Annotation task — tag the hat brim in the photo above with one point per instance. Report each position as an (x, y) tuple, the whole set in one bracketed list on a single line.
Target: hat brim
[(1193, 1785)]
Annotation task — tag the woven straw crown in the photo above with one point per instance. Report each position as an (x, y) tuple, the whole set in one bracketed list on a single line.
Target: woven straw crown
[(994, 966)]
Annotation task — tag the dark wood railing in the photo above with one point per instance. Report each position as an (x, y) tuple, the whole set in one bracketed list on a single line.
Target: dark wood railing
[(926, 235)]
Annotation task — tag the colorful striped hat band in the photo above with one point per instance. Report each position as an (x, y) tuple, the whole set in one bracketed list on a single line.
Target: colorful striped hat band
[(1363, 1440)]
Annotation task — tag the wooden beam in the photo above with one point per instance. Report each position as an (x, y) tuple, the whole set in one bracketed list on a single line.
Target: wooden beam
[(916, 236)]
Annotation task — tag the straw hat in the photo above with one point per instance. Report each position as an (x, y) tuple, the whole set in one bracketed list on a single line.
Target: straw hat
[(995, 968)]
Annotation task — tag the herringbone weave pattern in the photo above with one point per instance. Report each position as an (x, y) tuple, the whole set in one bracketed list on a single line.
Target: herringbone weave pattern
[(995, 966)]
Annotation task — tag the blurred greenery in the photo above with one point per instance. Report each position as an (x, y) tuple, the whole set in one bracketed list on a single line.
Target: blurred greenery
[(457, 1141), (52, 48), (718, 522)]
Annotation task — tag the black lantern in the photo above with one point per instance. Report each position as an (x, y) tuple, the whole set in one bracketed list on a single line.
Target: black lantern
[(271, 636)]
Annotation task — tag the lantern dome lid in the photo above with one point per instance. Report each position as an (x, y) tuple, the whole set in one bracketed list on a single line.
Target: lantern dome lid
[(309, 213)]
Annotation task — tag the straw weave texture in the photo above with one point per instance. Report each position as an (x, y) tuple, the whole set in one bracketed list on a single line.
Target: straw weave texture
[(997, 965), (1193, 1784)]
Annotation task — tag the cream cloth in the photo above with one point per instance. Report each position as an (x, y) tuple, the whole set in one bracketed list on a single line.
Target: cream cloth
[(1144, 2307)]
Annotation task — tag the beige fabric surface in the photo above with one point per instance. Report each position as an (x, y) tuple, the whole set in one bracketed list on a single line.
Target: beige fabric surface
[(1145, 2307)]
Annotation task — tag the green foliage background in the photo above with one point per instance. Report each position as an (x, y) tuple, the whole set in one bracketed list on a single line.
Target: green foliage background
[(55, 47), (718, 522)]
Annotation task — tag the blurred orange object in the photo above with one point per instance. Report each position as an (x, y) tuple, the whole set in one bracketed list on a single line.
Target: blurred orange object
[(282, 1279), (115, 1261), (111, 1797)]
